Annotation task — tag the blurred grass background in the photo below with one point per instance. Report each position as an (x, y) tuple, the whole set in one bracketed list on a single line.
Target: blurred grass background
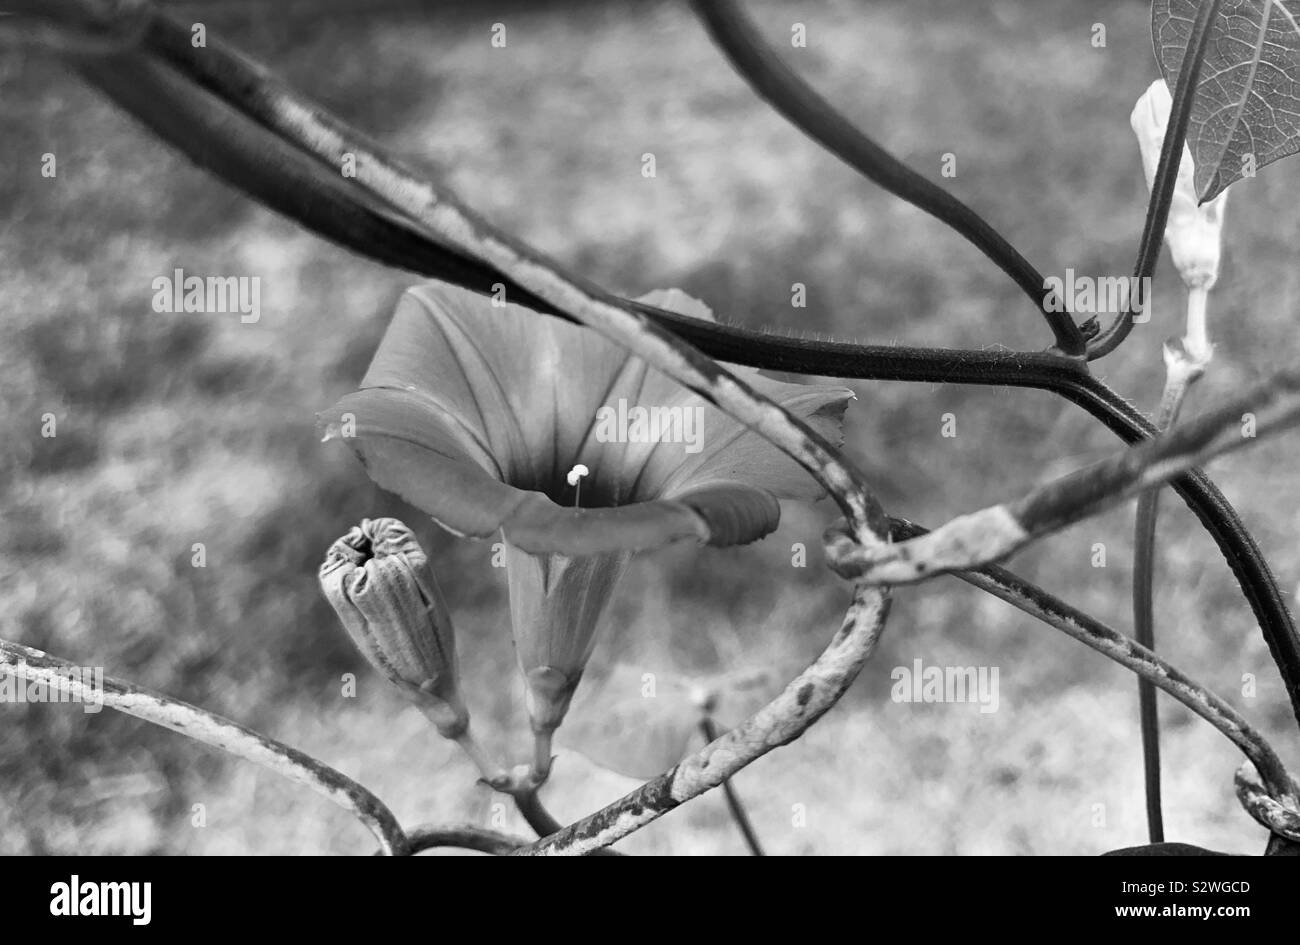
[(177, 429)]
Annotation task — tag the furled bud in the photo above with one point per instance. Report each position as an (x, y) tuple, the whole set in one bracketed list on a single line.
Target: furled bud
[(1194, 231), (379, 582)]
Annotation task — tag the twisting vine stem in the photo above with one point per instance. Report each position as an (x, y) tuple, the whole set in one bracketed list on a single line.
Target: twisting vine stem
[(778, 723), (815, 117), (1114, 645), (823, 682), (688, 778), (544, 824), (463, 836), (416, 215), (709, 729), (996, 531), (209, 128), (1182, 370), (254, 90), (790, 95), (213, 730)]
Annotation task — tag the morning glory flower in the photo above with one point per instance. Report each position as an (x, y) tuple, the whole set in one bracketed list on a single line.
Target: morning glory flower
[(492, 418)]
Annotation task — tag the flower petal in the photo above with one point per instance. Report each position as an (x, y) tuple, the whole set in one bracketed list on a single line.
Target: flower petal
[(411, 448), (525, 384), (729, 452), (734, 514), (543, 587), (475, 412)]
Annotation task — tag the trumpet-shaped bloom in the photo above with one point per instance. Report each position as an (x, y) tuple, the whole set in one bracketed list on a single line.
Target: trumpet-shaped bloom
[(1194, 231), (493, 418)]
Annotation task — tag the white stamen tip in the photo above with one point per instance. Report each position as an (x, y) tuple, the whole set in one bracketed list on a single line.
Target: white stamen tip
[(576, 473)]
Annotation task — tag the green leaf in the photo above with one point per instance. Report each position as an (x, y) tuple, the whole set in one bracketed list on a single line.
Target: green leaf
[(1247, 105)]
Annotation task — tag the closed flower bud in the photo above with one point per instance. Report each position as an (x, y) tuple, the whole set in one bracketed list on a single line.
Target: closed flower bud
[(1194, 231), (379, 582)]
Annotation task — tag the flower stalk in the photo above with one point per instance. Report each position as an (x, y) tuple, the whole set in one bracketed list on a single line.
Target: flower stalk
[(1194, 232), (1182, 370)]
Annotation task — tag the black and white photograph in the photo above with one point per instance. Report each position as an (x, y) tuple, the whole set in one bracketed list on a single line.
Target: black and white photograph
[(686, 428)]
